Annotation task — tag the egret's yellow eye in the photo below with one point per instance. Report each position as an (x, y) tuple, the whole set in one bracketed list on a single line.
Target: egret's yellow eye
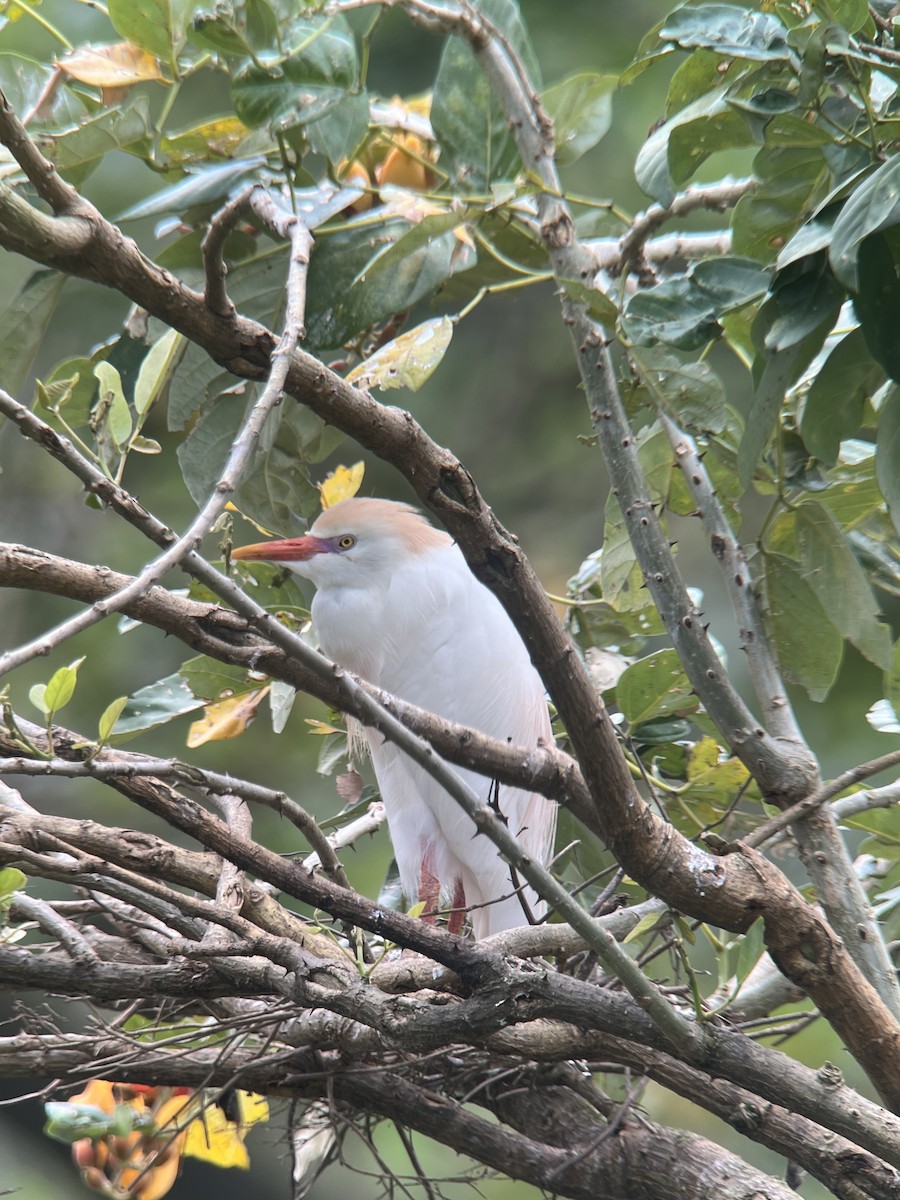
[(347, 541)]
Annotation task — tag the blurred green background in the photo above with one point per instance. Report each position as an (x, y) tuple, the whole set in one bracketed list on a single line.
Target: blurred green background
[(506, 400)]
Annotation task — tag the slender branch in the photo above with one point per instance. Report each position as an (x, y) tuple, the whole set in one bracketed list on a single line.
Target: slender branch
[(850, 806), (221, 226), (41, 173), (607, 252), (145, 854), (129, 766), (729, 554), (826, 792), (716, 197), (348, 835), (32, 908)]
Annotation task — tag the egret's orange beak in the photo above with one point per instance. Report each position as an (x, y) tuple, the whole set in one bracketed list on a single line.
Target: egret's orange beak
[(288, 550)]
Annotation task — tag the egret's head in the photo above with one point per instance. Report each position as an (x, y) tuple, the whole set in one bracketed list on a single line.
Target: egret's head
[(356, 543)]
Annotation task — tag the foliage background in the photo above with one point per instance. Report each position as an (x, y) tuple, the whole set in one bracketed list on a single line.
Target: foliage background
[(506, 401)]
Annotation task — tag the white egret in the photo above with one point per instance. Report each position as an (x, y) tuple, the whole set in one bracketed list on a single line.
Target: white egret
[(397, 604)]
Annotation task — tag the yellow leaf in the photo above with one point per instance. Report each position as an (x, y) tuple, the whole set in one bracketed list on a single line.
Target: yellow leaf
[(704, 756), (214, 1139), (341, 484), (226, 718), (117, 66), (409, 360), (321, 728)]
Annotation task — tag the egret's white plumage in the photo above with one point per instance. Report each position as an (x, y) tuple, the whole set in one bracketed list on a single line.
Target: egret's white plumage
[(397, 604)]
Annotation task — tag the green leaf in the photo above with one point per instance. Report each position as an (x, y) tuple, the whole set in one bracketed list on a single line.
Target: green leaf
[(581, 108), (787, 338), (337, 310), (832, 570), (468, 120), (77, 152), (108, 718), (12, 880), (685, 312), (674, 151), (887, 454), (808, 646), (621, 579), (765, 219), (872, 206), (300, 89), (690, 392), (729, 30), (833, 406), (276, 490), (37, 694), (751, 948), (211, 680), (892, 676), (112, 402), (597, 303), (61, 688), (157, 26), (408, 361), (878, 301), (157, 369), (655, 686), (33, 87), (201, 191), (156, 704), (340, 131), (23, 326)]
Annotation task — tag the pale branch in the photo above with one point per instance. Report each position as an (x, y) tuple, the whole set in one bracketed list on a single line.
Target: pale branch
[(68, 935), (231, 884), (348, 835), (642, 1158), (836, 1162), (728, 553), (826, 792), (606, 252), (715, 197), (850, 806), (290, 228), (678, 1029), (190, 817), (425, 1024), (147, 854)]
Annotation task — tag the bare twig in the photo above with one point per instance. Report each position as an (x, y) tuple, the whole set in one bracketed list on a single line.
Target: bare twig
[(32, 908), (822, 795), (717, 197)]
